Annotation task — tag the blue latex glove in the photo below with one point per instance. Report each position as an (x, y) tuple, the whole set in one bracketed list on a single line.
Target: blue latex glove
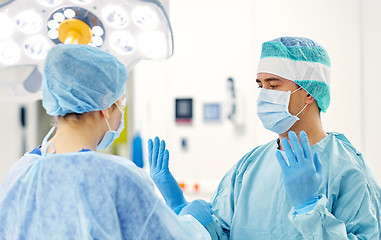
[(200, 210), (302, 177), (158, 158)]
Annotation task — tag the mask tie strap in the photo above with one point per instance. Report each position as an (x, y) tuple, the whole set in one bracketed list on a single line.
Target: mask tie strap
[(120, 109), (296, 90), (44, 146), (301, 110), (108, 125)]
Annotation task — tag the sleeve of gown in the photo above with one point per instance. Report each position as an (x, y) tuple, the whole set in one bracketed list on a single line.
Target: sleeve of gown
[(352, 211), (144, 215), (224, 199)]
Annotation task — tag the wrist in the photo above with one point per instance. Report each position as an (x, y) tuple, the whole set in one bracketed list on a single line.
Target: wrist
[(306, 207), (178, 209)]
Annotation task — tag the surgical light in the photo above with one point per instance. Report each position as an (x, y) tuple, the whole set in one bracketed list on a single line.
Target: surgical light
[(6, 27), (53, 24), (50, 3), (9, 52), (29, 22), (53, 34), (81, 1), (131, 30), (115, 16), (97, 41), (145, 18), (36, 47), (59, 17), (153, 44), (76, 27), (97, 31), (122, 42), (69, 13)]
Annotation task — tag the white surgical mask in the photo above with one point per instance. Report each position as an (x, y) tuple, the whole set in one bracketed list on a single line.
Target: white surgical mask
[(111, 135), (272, 109)]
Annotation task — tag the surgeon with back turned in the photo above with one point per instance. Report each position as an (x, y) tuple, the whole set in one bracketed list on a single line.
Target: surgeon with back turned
[(64, 189), (295, 187)]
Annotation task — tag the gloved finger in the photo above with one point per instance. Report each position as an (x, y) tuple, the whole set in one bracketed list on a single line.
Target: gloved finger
[(289, 152), (202, 204), (161, 154), (155, 151), (150, 146), (317, 163), (165, 160), (305, 145), (296, 146), (281, 160), (209, 205)]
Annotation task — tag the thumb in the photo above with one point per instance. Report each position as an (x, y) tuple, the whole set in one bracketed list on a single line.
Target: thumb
[(150, 147)]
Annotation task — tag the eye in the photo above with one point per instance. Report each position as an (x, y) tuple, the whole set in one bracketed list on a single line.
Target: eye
[(260, 85)]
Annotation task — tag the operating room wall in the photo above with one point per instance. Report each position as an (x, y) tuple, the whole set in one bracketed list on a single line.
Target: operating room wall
[(17, 135), (218, 39)]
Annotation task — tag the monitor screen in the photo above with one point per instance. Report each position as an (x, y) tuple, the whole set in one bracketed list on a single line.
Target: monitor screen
[(212, 112), (184, 109)]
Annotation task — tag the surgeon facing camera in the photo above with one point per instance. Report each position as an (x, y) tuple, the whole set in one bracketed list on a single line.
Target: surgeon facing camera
[(307, 184), (64, 189)]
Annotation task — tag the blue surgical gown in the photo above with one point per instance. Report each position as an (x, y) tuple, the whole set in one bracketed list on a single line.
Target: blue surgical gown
[(251, 203), (86, 195)]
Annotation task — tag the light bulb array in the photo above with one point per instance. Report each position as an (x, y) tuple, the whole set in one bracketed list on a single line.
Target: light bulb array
[(131, 30)]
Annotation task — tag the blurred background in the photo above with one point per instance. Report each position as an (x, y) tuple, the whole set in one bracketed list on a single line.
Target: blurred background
[(202, 101)]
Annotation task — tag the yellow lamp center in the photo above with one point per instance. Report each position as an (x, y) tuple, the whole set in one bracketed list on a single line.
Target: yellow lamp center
[(74, 31)]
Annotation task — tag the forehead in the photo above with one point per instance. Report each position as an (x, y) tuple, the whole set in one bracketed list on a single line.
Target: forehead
[(266, 77)]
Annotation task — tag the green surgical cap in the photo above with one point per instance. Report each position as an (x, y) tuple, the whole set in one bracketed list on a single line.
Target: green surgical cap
[(81, 78), (300, 60)]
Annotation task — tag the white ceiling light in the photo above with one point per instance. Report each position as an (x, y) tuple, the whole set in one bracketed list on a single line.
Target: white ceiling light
[(9, 52), (115, 16), (6, 27), (122, 42), (49, 3), (153, 44), (29, 22), (82, 2), (145, 18), (36, 47)]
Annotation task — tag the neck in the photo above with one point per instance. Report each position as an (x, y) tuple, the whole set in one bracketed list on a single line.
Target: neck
[(311, 124), (69, 138)]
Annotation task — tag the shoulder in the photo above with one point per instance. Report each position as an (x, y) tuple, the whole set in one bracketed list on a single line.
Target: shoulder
[(345, 164), (117, 166), (339, 150), (19, 169)]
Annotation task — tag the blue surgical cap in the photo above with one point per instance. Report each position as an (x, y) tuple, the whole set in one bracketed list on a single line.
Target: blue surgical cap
[(301, 60), (81, 78)]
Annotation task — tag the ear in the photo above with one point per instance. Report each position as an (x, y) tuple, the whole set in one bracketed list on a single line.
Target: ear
[(105, 113), (309, 99)]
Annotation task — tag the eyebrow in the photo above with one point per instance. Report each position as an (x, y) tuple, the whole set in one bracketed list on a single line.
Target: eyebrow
[(269, 79)]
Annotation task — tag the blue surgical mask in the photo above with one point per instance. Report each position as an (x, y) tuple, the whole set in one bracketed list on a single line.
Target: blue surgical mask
[(272, 109), (111, 135)]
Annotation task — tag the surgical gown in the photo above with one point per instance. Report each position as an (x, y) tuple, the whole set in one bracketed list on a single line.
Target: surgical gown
[(86, 195), (251, 203)]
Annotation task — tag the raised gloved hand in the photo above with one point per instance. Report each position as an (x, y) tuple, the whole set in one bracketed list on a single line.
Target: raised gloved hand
[(158, 158), (302, 177), (200, 210)]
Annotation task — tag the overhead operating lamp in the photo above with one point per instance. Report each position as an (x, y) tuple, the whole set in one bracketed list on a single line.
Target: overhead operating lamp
[(131, 30)]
